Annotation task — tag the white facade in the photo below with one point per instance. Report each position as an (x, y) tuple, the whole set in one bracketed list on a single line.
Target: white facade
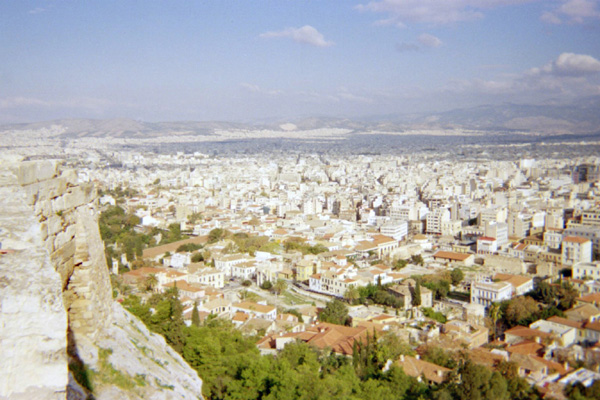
[(576, 250), (587, 270), (208, 276), (396, 229), (435, 219), (486, 293)]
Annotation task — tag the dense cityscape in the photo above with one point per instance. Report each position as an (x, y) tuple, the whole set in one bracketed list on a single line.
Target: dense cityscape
[(287, 200)]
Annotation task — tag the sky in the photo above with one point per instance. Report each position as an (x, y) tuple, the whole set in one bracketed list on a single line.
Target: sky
[(260, 60)]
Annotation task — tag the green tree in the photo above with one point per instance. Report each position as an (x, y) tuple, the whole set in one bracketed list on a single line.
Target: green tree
[(521, 310), (335, 312), (457, 276), (417, 259), (195, 315), (351, 294), (280, 286), (215, 235), (399, 264), (151, 282), (197, 257), (416, 296)]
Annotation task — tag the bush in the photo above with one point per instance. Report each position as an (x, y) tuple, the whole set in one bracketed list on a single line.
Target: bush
[(266, 285), (247, 283)]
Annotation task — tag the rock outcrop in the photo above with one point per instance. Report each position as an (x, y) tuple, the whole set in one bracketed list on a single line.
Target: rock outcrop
[(58, 320)]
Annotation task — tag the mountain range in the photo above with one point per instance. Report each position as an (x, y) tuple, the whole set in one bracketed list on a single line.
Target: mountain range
[(577, 117)]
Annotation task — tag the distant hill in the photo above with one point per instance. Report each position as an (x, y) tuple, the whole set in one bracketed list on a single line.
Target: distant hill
[(579, 117)]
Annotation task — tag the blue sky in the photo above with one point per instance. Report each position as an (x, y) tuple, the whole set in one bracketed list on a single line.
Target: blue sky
[(257, 60)]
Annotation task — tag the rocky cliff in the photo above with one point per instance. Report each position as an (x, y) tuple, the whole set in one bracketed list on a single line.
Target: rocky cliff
[(61, 334)]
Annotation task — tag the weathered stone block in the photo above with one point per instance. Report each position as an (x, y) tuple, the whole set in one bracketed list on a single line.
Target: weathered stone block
[(55, 224), (35, 171)]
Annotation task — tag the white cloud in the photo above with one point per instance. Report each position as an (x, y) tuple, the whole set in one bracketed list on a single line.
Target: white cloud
[(437, 12), (428, 40), (572, 11), (569, 64), (570, 75), (306, 34)]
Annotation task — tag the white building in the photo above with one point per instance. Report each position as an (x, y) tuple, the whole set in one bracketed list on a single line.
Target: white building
[(553, 238), (178, 260), (486, 293), (575, 250), (208, 276), (245, 271), (487, 245), (396, 229), (224, 263), (586, 270), (498, 230), (435, 219)]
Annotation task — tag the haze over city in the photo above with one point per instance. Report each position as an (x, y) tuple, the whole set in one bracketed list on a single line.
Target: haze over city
[(271, 60)]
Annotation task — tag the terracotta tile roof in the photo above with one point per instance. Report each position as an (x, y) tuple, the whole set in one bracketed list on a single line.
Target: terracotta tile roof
[(575, 239), (251, 306), (594, 326), (515, 280), (416, 367), (593, 298), (525, 332), (526, 347), (566, 322), (450, 255)]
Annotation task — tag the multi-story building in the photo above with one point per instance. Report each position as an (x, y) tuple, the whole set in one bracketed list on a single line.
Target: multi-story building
[(498, 230), (395, 229), (492, 214), (553, 238), (435, 219), (575, 250), (587, 232), (208, 276), (486, 293), (586, 270), (519, 225), (591, 217)]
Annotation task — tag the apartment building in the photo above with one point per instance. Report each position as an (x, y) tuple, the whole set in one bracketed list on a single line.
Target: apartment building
[(575, 250)]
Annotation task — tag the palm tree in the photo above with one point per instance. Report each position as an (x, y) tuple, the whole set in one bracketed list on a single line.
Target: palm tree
[(495, 313)]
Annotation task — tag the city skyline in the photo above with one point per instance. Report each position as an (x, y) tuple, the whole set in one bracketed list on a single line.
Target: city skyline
[(271, 60)]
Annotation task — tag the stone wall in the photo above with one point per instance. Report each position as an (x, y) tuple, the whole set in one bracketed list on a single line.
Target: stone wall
[(68, 216), (33, 320)]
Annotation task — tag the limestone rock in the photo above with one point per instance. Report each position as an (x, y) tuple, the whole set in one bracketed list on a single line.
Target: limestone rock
[(33, 320)]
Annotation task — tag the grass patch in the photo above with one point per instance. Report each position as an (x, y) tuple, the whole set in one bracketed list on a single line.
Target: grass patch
[(107, 374), (435, 315), (292, 298)]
